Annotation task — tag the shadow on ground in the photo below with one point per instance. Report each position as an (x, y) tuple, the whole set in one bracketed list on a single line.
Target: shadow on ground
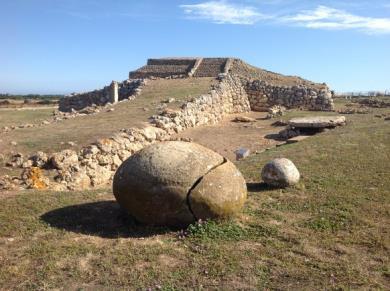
[(259, 187), (104, 219), (274, 136)]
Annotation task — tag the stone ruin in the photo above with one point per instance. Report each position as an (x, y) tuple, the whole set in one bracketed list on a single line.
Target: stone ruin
[(240, 88), (261, 88)]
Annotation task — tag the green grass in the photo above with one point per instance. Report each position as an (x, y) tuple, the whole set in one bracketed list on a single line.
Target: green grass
[(10, 117), (331, 231)]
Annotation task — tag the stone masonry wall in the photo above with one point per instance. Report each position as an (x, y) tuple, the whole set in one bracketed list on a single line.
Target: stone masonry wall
[(163, 68), (122, 90), (226, 97), (262, 96), (96, 164)]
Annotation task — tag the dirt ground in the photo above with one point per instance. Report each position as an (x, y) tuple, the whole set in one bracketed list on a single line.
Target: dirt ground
[(228, 136)]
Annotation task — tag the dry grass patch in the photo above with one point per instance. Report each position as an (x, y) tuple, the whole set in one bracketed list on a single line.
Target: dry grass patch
[(329, 232), (86, 129)]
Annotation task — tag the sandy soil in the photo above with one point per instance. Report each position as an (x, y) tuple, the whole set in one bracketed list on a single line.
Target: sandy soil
[(227, 136)]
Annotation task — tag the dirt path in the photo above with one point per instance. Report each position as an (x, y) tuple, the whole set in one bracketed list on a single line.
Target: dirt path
[(227, 136)]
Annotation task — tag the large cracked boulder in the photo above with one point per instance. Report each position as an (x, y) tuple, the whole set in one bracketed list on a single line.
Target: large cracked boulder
[(175, 183), (280, 173)]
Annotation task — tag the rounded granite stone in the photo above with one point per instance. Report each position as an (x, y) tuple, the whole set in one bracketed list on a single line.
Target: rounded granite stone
[(280, 173), (156, 184)]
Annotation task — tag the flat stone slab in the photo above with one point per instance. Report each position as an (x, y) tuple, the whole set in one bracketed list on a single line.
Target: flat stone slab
[(317, 121)]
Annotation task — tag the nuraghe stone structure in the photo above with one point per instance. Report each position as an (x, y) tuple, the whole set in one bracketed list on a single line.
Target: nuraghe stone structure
[(263, 88), (241, 88)]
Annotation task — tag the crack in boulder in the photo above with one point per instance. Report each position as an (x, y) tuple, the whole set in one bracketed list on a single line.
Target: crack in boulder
[(197, 183)]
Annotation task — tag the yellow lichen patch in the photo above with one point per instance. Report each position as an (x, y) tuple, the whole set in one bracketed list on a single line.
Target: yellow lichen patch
[(35, 179)]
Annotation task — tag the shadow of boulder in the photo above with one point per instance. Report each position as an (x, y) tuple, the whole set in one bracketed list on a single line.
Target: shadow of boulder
[(105, 219), (259, 187)]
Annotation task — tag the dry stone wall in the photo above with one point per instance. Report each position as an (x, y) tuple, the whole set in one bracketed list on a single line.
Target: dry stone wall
[(95, 164), (163, 68), (211, 67), (226, 97), (109, 94), (263, 95)]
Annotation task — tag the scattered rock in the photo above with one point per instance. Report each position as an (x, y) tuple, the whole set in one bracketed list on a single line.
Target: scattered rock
[(242, 153), (354, 111), (280, 173), (275, 111), (157, 183), (374, 103), (16, 161), (14, 143), (244, 119), (6, 183), (170, 100)]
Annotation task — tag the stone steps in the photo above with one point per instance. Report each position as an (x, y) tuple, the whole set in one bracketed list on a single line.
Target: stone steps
[(211, 67)]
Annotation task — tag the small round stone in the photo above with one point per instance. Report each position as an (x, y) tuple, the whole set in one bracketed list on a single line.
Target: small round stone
[(280, 173), (175, 183)]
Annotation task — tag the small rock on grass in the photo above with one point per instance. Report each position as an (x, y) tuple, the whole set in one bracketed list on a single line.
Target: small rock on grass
[(280, 173), (242, 153)]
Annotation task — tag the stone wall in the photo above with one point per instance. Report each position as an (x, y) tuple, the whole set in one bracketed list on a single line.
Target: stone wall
[(96, 164), (109, 94), (163, 68), (226, 97), (211, 67), (263, 95)]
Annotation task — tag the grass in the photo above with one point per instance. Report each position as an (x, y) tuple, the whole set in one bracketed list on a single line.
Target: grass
[(331, 231), (86, 129), (14, 117)]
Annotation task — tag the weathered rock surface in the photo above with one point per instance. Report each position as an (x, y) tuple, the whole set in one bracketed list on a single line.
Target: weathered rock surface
[(317, 121), (242, 153), (156, 183), (34, 179), (280, 173), (65, 159), (275, 111), (221, 193)]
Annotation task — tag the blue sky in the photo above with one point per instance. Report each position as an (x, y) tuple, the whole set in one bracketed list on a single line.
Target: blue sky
[(63, 46)]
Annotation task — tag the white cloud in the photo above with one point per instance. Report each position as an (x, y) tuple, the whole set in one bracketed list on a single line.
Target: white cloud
[(322, 17), (221, 12), (330, 18)]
